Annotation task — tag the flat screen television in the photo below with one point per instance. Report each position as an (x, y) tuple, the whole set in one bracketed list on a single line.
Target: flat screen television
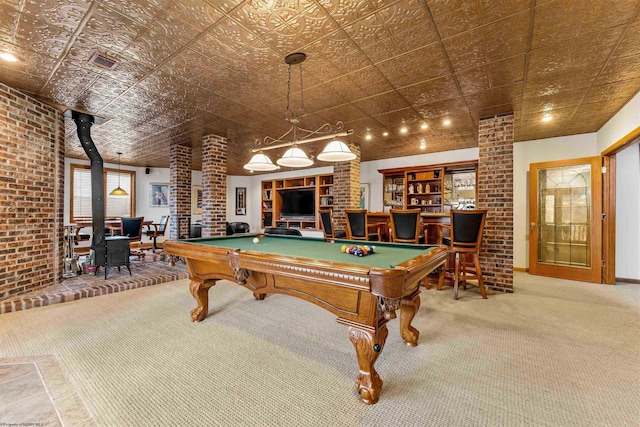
[(298, 204)]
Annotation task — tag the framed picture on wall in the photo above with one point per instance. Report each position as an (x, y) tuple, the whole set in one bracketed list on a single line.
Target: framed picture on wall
[(196, 200), (364, 196), (158, 195), (241, 200)]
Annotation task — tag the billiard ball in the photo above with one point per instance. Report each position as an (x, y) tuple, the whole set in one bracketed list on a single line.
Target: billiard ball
[(256, 240)]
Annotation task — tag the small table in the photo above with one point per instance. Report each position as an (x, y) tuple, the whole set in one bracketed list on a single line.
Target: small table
[(363, 292), (113, 225)]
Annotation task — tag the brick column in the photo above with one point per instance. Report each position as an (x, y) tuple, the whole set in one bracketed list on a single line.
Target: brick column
[(179, 191), (495, 193), (346, 187), (214, 185), (31, 193)]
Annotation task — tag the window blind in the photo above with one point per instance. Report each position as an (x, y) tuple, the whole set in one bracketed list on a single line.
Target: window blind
[(116, 206)]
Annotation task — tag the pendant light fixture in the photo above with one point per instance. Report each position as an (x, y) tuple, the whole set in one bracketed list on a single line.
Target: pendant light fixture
[(295, 157), (118, 191)]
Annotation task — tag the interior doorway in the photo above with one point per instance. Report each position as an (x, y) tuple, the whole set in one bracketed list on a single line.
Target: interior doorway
[(565, 219)]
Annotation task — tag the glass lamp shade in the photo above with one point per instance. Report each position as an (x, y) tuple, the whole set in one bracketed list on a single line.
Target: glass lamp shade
[(118, 192), (336, 151), (294, 158), (260, 162)]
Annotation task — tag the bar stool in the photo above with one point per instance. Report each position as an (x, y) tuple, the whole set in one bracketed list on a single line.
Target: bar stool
[(464, 241)]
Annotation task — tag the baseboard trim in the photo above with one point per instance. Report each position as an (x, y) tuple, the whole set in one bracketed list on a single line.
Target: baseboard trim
[(623, 280), (523, 269)]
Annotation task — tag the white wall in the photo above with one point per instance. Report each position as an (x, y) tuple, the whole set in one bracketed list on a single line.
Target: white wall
[(625, 121), (253, 203), (628, 213), (536, 151)]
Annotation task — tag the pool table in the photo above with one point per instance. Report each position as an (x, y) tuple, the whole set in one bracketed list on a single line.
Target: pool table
[(363, 292)]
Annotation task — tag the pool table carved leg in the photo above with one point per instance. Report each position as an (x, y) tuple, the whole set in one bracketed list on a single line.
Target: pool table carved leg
[(200, 292), (258, 296), (409, 308), (368, 347)]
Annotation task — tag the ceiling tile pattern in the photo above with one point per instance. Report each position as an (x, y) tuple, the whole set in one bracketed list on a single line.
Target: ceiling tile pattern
[(189, 68)]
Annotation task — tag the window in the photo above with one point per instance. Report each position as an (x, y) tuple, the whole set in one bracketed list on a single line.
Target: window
[(115, 206)]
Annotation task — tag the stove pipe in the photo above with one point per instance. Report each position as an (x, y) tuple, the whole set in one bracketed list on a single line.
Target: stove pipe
[(83, 123)]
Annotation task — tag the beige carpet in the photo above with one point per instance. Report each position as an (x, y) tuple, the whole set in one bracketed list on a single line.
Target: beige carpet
[(554, 353)]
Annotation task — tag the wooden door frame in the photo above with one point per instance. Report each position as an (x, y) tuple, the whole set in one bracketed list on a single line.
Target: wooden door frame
[(594, 273), (609, 204), (609, 220)]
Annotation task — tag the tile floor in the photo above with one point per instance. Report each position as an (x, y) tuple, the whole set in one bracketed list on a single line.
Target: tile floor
[(34, 391)]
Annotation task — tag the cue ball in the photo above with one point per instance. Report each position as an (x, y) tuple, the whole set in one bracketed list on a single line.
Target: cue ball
[(256, 240)]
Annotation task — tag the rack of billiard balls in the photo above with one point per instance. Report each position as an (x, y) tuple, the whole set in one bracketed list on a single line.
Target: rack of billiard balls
[(358, 250)]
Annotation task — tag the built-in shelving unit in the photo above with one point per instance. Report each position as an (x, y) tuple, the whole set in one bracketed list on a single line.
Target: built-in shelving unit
[(431, 188), (325, 191), (267, 203), (424, 188), (272, 191)]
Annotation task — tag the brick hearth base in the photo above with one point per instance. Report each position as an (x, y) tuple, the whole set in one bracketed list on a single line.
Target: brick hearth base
[(149, 272)]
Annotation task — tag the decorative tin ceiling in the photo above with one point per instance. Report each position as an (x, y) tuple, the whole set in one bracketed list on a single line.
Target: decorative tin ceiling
[(187, 68)]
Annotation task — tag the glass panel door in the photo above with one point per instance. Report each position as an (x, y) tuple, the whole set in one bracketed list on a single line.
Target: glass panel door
[(565, 214), (565, 204)]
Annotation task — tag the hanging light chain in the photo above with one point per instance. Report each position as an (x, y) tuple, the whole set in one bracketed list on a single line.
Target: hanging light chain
[(303, 112)]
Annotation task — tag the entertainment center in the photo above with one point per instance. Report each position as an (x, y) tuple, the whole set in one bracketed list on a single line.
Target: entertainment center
[(294, 202)]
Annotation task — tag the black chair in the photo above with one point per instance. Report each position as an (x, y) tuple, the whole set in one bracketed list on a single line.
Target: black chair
[(240, 227), (132, 229), (282, 230), (357, 227), (157, 231), (326, 216), (465, 239), (195, 230), (405, 226)]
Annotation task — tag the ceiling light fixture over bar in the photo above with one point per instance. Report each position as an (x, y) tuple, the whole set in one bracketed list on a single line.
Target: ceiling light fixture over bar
[(295, 157)]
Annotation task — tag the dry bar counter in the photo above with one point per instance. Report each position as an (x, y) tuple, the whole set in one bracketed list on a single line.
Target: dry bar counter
[(364, 292)]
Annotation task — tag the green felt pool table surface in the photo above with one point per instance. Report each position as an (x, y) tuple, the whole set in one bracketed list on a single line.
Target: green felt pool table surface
[(387, 255)]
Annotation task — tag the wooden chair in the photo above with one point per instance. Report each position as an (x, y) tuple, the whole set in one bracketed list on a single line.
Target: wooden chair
[(157, 231), (132, 228), (465, 239), (405, 226), (358, 228), (326, 216)]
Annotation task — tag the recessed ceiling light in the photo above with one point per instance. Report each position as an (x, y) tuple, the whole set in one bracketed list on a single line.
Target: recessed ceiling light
[(446, 122), (368, 135), (385, 133), (403, 129), (547, 118), (423, 144), (424, 126), (8, 56)]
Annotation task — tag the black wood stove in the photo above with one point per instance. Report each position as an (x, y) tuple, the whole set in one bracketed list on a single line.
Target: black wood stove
[(117, 254)]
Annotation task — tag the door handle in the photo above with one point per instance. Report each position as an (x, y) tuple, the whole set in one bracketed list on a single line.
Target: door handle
[(532, 225)]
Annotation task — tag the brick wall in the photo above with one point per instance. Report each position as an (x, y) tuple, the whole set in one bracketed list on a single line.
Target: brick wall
[(179, 191), (495, 193), (214, 185), (346, 187), (31, 193)]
